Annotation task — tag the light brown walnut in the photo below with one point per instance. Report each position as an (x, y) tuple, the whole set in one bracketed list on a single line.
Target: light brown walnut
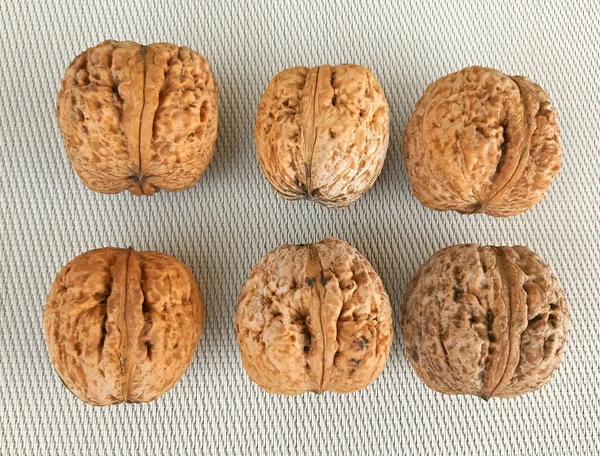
[(322, 133), (314, 318), (485, 321), (138, 118), (121, 325), (482, 141)]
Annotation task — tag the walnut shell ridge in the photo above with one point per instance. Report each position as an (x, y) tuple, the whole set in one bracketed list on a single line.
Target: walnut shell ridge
[(313, 318), (121, 325), (138, 118), (485, 321), (482, 141), (322, 133)]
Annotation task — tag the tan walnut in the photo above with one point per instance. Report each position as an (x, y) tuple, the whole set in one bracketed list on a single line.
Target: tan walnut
[(482, 141), (138, 118), (313, 318), (121, 325), (322, 133), (485, 321)]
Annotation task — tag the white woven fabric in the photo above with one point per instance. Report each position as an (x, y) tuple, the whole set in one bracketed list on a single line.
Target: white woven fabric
[(221, 227)]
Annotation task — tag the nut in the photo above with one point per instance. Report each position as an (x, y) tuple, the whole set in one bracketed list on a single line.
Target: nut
[(322, 133), (138, 118), (482, 141), (122, 326), (486, 321), (313, 318)]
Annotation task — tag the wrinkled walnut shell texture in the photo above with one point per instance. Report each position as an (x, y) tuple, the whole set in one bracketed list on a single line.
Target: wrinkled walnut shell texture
[(322, 133), (486, 321), (314, 318), (122, 326), (138, 118), (482, 141)]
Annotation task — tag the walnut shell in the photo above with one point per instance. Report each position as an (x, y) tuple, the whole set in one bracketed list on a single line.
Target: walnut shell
[(138, 118), (122, 326), (486, 321), (322, 133), (313, 318), (482, 141)]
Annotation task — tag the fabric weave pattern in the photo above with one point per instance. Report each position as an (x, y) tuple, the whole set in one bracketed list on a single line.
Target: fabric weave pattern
[(222, 226)]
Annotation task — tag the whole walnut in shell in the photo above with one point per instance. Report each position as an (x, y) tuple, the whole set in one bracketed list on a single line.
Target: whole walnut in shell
[(138, 118), (486, 321), (313, 318), (482, 141), (322, 133), (121, 325)]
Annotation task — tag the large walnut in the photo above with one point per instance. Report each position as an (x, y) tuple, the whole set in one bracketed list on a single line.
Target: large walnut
[(322, 133), (122, 326), (138, 118), (486, 321), (314, 318), (482, 141)]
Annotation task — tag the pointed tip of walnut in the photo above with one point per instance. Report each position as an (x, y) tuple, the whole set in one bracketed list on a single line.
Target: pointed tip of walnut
[(480, 141)]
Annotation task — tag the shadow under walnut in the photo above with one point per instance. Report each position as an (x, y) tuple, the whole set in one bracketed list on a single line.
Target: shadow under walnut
[(313, 318), (121, 325)]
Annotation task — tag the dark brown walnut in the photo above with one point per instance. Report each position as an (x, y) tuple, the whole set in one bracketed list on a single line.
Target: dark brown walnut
[(322, 133), (485, 321), (138, 118), (482, 141), (314, 318), (121, 325)]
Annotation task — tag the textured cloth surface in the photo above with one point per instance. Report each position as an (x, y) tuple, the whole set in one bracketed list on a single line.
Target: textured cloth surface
[(222, 226)]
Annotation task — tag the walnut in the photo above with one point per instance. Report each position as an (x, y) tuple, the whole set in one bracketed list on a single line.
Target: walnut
[(138, 118), (482, 141), (322, 133), (486, 321), (122, 326), (313, 318)]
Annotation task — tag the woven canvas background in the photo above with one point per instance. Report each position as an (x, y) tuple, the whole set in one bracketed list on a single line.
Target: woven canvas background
[(221, 227)]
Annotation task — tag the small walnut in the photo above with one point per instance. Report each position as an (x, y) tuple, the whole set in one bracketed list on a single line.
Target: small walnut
[(138, 118), (482, 141), (122, 326), (314, 318), (486, 321), (322, 133)]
